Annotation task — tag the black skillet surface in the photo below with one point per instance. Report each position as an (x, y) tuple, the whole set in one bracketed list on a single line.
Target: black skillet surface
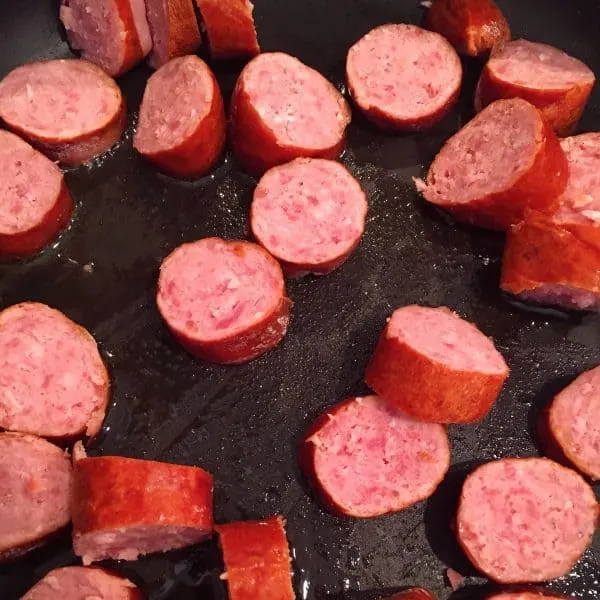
[(244, 423)]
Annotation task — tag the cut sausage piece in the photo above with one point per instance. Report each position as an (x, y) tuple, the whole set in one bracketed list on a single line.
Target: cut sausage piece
[(403, 77), (366, 458), (174, 29), (69, 123), (35, 485), (535, 594), (413, 594), (257, 560), (53, 382), (224, 301), (545, 263), (83, 583), (182, 124), (473, 27), (281, 109), (505, 160), (112, 34), (124, 507), (309, 214), (35, 203), (554, 82), (436, 367), (570, 426), (230, 27), (525, 520)]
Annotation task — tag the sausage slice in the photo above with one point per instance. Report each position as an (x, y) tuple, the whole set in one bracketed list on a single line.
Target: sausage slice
[(365, 458), (182, 126), (436, 367), (403, 77), (230, 27), (71, 123), (505, 160), (282, 109), (124, 507), (473, 27), (83, 583), (224, 301), (554, 82), (35, 203), (413, 594), (534, 594), (309, 214), (35, 489), (112, 34), (257, 560), (53, 382), (525, 520)]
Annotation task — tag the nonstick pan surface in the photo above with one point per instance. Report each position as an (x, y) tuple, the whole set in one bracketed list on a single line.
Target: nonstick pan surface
[(244, 423)]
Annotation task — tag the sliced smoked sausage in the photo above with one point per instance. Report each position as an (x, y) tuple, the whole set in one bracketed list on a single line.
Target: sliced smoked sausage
[(223, 300), (124, 507), (70, 109), (309, 214), (436, 367), (527, 594), (365, 458), (412, 594), (505, 160), (282, 109), (35, 203), (525, 520), (554, 82), (182, 125), (53, 382), (35, 488), (403, 77)]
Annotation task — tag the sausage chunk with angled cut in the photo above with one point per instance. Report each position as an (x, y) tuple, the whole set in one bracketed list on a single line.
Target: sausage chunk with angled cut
[(473, 27), (69, 122), (309, 214), (182, 124), (257, 560), (35, 487), (35, 203), (365, 458), (525, 520), (403, 77), (505, 160), (436, 367), (554, 82), (112, 34), (124, 507), (282, 109), (83, 583), (224, 301), (53, 382)]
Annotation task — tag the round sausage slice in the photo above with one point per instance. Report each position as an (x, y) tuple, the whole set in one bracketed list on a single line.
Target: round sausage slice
[(281, 109), (365, 458), (69, 108), (35, 203), (554, 82), (403, 77), (53, 382), (35, 492), (79, 583), (112, 34), (309, 214), (570, 426), (436, 367), (505, 160), (224, 301), (182, 124), (230, 28), (473, 27), (257, 559), (525, 520), (124, 507), (413, 594)]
